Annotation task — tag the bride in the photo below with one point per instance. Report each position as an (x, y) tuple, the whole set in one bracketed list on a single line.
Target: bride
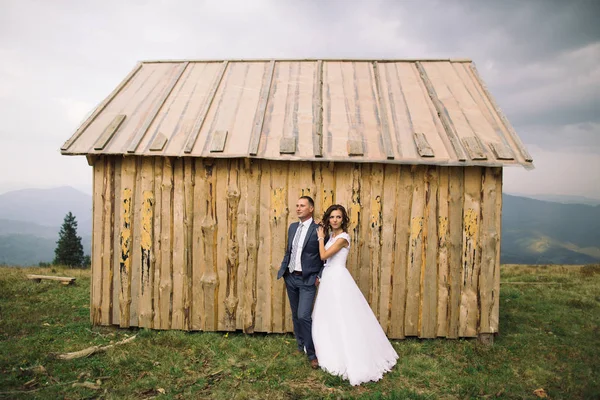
[(348, 339)]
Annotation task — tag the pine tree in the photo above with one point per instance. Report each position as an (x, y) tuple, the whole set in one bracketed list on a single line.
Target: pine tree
[(69, 250)]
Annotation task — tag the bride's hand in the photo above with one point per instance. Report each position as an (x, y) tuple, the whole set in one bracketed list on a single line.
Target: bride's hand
[(320, 232)]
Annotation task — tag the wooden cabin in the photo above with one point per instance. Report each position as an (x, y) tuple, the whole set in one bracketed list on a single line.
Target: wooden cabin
[(198, 165)]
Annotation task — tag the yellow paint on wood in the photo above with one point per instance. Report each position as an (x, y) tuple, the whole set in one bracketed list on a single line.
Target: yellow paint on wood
[(416, 227), (442, 235), (146, 306), (126, 229), (471, 223), (125, 255), (471, 254), (147, 219), (279, 208)]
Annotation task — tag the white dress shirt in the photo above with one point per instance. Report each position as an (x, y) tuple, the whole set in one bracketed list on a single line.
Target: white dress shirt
[(305, 226)]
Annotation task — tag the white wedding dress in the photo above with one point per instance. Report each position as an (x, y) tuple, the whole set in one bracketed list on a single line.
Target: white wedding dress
[(349, 342)]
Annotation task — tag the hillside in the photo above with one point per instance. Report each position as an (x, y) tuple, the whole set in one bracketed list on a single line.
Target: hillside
[(543, 232), (560, 198)]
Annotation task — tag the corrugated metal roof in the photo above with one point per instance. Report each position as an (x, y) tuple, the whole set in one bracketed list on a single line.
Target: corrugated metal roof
[(390, 111)]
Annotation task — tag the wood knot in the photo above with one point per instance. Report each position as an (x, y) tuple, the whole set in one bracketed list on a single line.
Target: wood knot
[(208, 280), (233, 194), (231, 304)]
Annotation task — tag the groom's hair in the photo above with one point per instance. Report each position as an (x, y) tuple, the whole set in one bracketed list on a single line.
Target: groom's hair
[(310, 200)]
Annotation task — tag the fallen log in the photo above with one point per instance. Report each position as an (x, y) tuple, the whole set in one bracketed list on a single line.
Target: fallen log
[(91, 350), (65, 280)]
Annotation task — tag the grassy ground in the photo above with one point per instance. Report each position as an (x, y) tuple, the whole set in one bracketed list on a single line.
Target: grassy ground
[(550, 340)]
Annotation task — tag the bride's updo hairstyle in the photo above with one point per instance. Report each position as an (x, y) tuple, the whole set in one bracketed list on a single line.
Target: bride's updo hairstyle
[(345, 219)]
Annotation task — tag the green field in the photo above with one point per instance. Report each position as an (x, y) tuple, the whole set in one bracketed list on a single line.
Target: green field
[(549, 339)]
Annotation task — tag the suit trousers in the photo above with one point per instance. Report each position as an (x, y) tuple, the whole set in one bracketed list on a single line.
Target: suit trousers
[(302, 297)]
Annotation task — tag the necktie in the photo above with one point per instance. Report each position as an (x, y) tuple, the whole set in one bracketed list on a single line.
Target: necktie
[(295, 248)]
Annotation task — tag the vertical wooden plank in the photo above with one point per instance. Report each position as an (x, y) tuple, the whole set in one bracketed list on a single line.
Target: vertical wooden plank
[(242, 231), (97, 242), (490, 237), (442, 202), (307, 184), (209, 241), (147, 215), (389, 209), (135, 254), (415, 253), (201, 207), (235, 250), (495, 314), (178, 246), (107, 243), (428, 309), (375, 225), (343, 185), (471, 256), (361, 188), (156, 254), (264, 274), (326, 188), (166, 246), (354, 208), (126, 240), (455, 241), (222, 178), (116, 245), (278, 217), (294, 185), (188, 245), (253, 173), (404, 194)]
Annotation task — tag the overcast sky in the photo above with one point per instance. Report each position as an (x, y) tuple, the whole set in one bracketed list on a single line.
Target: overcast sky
[(540, 59)]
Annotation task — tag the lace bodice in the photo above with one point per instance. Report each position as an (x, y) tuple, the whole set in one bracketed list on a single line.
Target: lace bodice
[(339, 258)]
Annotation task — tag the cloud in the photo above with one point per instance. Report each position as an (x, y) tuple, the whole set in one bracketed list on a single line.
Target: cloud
[(540, 60), (561, 171)]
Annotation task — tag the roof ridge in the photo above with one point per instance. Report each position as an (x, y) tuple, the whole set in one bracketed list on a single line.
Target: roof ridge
[(384, 60)]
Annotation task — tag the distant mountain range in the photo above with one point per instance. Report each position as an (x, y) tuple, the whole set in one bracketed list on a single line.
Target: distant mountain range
[(533, 231), (30, 220), (560, 198), (544, 232)]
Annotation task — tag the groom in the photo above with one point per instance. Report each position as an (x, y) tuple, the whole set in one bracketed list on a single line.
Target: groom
[(301, 268)]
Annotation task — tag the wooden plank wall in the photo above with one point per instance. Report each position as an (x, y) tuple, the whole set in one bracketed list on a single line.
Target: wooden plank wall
[(195, 244)]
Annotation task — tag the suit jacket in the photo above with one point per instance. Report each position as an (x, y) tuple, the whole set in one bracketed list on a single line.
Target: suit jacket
[(312, 265)]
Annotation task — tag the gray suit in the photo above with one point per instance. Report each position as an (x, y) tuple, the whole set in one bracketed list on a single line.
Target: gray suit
[(301, 290)]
